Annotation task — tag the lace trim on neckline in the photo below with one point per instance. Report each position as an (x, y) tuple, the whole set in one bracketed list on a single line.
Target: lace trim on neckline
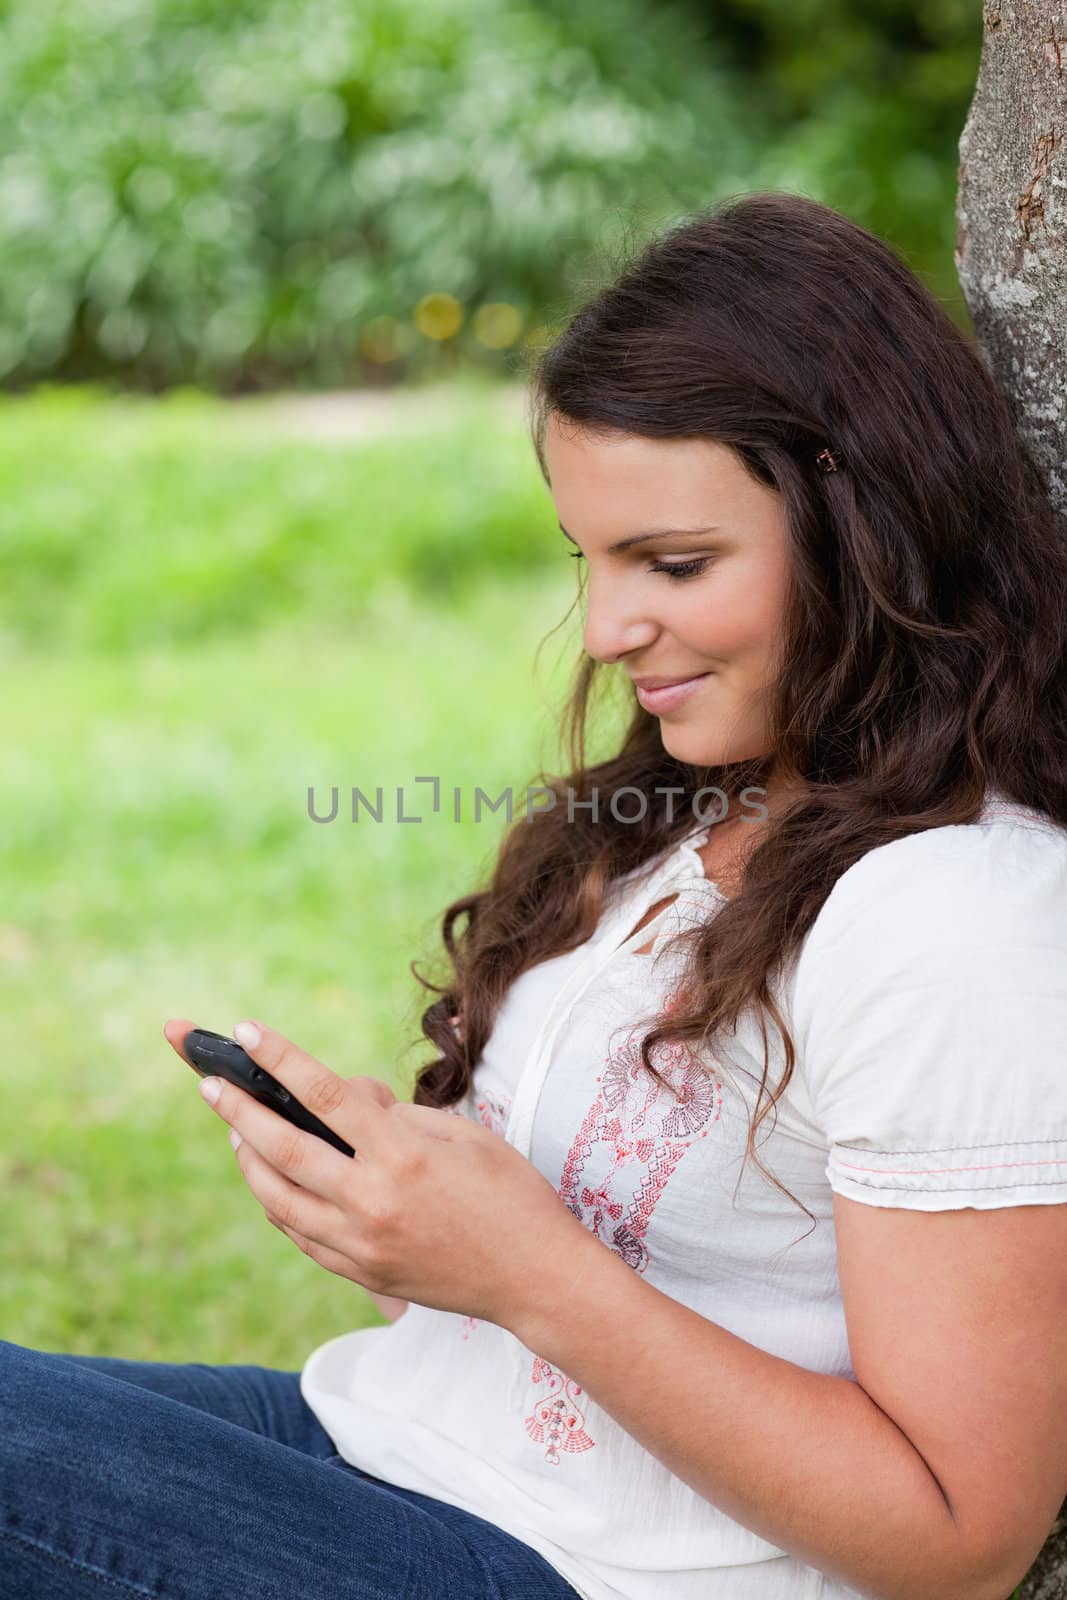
[(684, 868)]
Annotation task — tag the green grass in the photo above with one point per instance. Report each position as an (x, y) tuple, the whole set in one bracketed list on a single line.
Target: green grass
[(128, 524), (196, 634)]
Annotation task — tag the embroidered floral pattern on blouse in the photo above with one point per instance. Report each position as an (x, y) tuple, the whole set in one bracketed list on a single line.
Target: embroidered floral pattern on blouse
[(628, 1146), (492, 1112), (558, 1418), (636, 1133)]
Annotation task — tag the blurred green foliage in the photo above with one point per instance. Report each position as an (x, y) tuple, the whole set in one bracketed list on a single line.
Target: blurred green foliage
[(861, 104), (326, 193), (221, 193)]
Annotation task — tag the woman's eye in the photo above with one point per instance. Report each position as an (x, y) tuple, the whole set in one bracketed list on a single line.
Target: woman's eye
[(679, 570)]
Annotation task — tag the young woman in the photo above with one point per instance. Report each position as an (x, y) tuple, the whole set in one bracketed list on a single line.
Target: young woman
[(824, 876)]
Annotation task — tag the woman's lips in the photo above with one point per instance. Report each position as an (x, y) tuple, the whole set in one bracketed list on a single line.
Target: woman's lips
[(660, 700)]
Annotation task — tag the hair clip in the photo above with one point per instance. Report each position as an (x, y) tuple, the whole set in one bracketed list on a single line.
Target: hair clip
[(828, 460)]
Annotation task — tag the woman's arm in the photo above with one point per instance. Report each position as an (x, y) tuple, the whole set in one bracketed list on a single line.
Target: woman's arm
[(956, 1328)]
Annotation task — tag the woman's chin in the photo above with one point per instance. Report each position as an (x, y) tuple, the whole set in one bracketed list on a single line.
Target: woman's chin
[(691, 744), (694, 745)]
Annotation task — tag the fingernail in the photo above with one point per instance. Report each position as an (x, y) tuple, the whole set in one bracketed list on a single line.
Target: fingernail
[(247, 1033), (235, 1137), (210, 1088)]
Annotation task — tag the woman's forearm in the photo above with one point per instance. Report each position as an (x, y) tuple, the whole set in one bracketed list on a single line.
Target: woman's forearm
[(806, 1460)]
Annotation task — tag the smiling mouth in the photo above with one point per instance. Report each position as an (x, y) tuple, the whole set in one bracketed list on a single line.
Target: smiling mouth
[(667, 683), (671, 694)]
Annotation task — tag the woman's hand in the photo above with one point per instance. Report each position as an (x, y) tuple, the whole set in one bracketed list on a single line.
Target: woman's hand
[(434, 1207)]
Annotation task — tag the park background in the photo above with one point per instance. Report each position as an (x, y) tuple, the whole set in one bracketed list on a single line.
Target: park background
[(271, 275)]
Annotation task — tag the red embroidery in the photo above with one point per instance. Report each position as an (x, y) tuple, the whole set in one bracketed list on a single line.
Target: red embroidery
[(492, 1113), (557, 1418), (635, 1134), (635, 1122)]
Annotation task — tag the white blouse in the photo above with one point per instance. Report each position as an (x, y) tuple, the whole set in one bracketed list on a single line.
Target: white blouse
[(928, 1006)]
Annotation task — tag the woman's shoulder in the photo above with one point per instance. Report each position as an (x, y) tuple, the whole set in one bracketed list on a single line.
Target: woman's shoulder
[(1002, 836), (1004, 872)]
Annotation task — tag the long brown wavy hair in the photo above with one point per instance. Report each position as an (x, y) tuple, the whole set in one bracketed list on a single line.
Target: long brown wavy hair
[(924, 652)]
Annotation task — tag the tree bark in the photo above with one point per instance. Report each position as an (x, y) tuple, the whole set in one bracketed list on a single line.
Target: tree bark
[(1011, 257), (1011, 224)]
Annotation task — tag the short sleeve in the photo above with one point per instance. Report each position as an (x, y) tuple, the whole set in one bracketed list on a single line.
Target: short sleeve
[(930, 1018)]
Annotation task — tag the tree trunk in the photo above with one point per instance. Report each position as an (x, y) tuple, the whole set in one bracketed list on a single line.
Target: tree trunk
[(1011, 256), (1011, 227)]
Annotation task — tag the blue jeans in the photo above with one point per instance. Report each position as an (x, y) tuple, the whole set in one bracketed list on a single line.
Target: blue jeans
[(194, 1482)]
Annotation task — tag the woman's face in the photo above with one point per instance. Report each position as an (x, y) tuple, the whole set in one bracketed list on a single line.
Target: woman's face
[(705, 605)]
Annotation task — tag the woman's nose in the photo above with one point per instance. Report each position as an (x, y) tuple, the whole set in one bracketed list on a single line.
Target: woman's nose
[(611, 633)]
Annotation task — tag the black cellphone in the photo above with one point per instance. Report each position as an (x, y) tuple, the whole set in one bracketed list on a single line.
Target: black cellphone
[(214, 1055)]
